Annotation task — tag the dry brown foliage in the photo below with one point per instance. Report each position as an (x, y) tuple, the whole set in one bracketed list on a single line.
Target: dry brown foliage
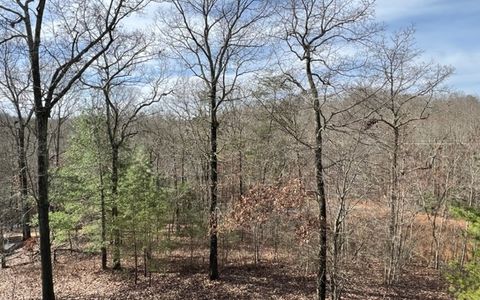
[(289, 201)]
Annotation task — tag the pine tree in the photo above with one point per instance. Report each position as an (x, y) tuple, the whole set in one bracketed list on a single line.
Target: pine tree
[(143, 208), (79, 187)]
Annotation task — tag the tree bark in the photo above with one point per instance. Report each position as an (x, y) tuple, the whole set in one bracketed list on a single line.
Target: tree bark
[(3, 264), (322, 202), (103, 249), (22, 166), (57, 139), (116, 231), (213, 186), (42, 115), (393, 243), (320, 186), (240, 173)]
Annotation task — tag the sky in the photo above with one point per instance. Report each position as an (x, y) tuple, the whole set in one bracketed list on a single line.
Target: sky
[(447, 30)]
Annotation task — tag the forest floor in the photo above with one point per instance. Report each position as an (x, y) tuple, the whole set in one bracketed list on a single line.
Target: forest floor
[(79, 276)]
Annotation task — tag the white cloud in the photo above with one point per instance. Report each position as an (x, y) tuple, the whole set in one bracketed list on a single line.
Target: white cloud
[(145, 18), (446, 31), (467, 74), (392, 10)]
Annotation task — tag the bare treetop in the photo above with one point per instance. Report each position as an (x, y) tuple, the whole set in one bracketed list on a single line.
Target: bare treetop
[(320, 30), (217, 40), (409, 83), (66, 36)]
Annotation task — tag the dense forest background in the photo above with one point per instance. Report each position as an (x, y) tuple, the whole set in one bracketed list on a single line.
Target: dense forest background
[(289, 149)]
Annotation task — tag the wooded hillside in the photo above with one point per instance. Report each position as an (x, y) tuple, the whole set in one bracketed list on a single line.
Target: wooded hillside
[(230, 150)]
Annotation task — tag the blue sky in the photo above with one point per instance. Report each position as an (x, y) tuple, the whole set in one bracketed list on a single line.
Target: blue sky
[(447, 30)]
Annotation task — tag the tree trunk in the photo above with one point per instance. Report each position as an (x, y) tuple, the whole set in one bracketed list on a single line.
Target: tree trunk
[(322, 202), (145, 259), (182, 168), (299, 167), (320, 186), (57, 139), (240, 173), (116, 231), (22, 165), (338, 241), (3, 264), (393, 251), (136, 257), (103, 249), (213, 186), (42, 116)]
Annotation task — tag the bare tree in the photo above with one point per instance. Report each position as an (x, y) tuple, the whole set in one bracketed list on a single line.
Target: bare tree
[(61, 113), (217, 41), (60, 43), (316, 33), (7, 207), (410, 86), (345, 176), (15, 87)]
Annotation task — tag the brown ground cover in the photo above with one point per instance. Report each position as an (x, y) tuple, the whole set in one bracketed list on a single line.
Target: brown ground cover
[(78, 276)]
